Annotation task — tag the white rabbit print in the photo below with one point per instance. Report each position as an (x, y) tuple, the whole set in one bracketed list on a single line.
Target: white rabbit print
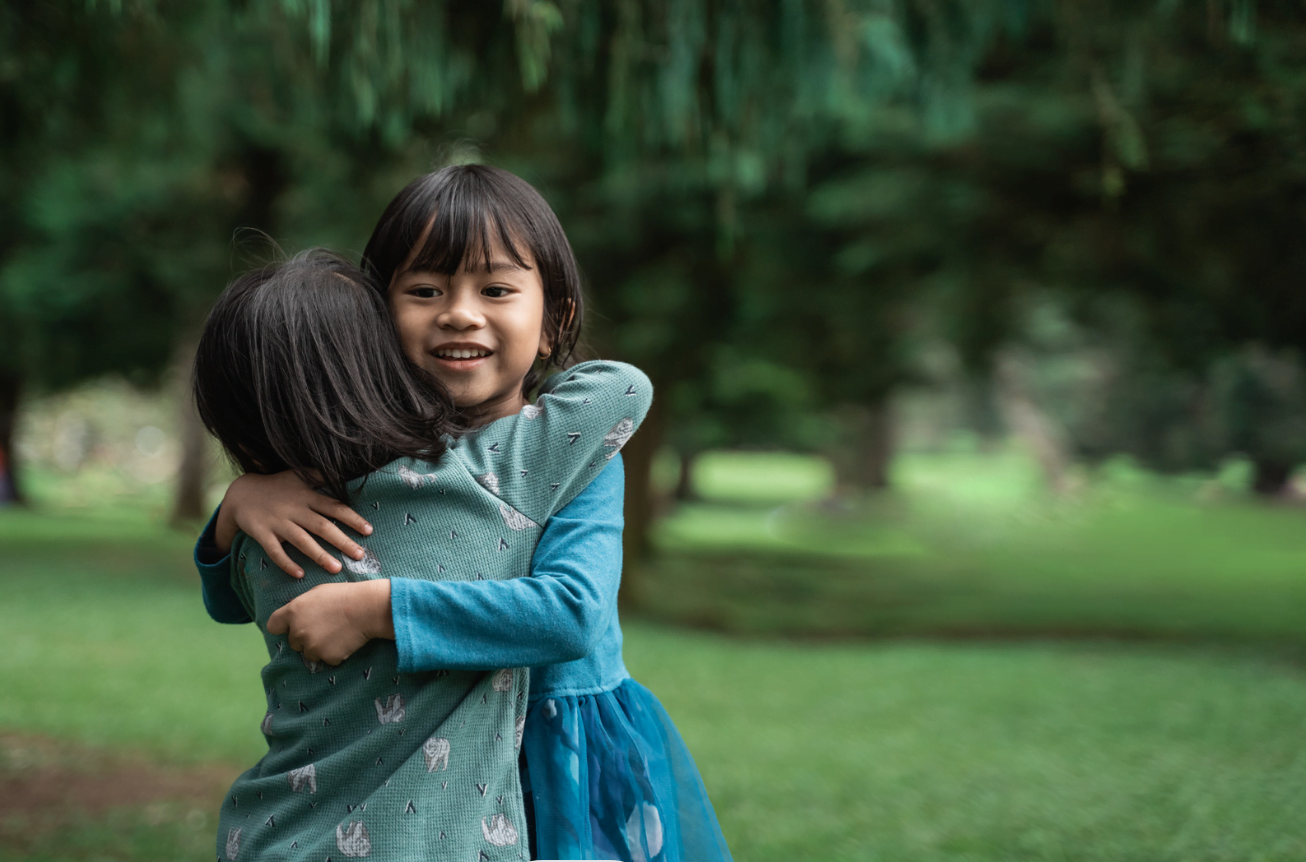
[(617, 437), (514, 519), (233, 844), (413, 479), (532, 411), (353, 840), (499, 831), (503, 680), (266, 725), (518, 731), (304, 777), (369, 565), (490, 481), (392, 711), (436, 752)]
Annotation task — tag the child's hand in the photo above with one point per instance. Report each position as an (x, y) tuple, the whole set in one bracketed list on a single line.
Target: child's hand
[(331, 621), (281, 508)]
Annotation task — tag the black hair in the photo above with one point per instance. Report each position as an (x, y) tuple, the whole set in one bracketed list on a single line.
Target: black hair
[(468, 209), (299, 368)]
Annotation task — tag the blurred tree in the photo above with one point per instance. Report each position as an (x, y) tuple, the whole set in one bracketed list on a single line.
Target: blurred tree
[(1145, 157), (1199, 173), (73, 303), (140, 138), (776, 204)]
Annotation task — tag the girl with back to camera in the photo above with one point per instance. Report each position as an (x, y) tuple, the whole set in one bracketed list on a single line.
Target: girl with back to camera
[(603, 767), (298, 368)]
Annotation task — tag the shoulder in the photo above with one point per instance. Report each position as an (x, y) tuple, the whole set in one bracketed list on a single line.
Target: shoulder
[(401, 475), (601, 375)]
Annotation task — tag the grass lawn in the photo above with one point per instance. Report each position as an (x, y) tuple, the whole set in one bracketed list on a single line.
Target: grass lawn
[(899, 749), (972, 546)]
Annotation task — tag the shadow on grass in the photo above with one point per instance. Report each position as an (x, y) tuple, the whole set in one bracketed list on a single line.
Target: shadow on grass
[(798, 595)]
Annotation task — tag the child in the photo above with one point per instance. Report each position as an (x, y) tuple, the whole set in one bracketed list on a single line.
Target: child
[(608, 774), (299, 369)]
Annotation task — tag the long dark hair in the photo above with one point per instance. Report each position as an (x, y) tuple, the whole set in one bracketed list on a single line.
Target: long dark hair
[(469, 208), (299, 368)]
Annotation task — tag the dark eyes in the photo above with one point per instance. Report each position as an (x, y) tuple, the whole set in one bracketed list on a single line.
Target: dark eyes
[(494, 291)]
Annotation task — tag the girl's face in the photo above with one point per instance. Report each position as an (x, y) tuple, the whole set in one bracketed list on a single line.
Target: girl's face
[(478, 331)]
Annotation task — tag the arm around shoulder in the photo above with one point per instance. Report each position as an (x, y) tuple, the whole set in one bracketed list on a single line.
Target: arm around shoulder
[(557, 614), (214, 566), (539, 460)]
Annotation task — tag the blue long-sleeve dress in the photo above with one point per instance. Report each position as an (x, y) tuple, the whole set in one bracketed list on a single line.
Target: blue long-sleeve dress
[(603, 767)]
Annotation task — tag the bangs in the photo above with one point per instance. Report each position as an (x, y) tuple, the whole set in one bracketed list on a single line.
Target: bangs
[(465, 229)]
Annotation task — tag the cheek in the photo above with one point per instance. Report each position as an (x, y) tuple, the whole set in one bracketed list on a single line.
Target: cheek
[(535, 326), (410, 334)]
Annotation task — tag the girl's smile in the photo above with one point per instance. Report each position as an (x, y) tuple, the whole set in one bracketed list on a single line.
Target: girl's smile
[(461, 356)]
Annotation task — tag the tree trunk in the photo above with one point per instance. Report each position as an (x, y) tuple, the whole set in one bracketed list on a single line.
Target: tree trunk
[(876, 451), (685, 481), (1270, 478), (638, 456), (264, 170), (188, 505), (10, 489), (982, 413), (1031, 425), (864, 456)]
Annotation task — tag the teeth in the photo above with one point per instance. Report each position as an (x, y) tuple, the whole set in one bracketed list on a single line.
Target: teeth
[(462, 354)]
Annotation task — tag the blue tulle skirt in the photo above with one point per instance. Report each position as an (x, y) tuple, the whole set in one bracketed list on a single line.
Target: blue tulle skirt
[(607, 776)]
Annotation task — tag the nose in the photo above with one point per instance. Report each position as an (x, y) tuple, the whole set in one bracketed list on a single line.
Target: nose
[(461, 313)]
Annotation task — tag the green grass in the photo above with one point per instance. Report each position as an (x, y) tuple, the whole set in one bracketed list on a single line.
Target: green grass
[(913, 751), (163, 831), (106, 641), (972, 546), (901, 749)]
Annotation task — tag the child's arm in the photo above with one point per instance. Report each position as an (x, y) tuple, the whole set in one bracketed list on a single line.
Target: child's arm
[(538, 460), (214, 566), (590, 412), (555, 615), (281, 508), (271, 509), (534, 462)]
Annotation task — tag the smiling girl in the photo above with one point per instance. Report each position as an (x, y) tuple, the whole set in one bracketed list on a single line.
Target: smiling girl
[(484, 291)]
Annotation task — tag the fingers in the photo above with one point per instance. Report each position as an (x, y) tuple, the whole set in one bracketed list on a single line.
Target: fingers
[(308, 546), (272, 547), (340, 512), (283, 622), (333, 534), (279, 622)]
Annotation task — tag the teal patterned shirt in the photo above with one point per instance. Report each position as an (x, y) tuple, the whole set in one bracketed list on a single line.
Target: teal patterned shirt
[(364, 761)]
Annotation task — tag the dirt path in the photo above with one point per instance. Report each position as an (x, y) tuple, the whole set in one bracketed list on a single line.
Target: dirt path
[(46, 782)]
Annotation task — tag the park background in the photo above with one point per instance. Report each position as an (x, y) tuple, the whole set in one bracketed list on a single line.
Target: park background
[(967, 524)]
